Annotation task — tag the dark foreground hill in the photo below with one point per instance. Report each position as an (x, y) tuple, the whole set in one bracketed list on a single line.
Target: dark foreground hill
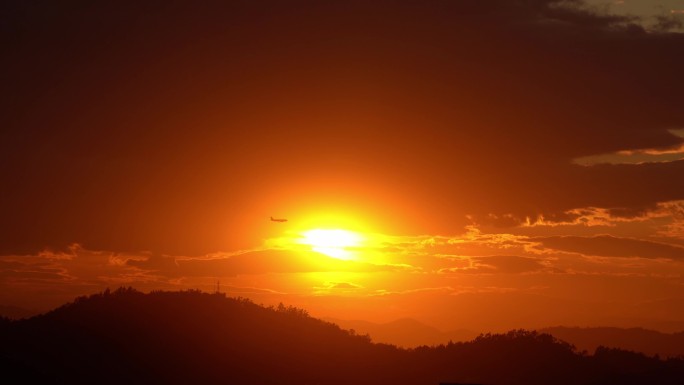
[(127, 337)]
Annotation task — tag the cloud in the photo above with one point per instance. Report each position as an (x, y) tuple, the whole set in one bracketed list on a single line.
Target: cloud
[(335, 288), (610, 246), (74, 266), (344, 285), (638, 156), (252, 262), (510, 264), (37, 275), (673, 228), (497, 264), (633, 157)]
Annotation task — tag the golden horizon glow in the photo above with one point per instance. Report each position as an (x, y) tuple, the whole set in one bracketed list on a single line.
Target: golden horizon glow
[(335, 243)]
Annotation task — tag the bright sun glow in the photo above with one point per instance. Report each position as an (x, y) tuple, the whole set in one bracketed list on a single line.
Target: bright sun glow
[(334, 243)]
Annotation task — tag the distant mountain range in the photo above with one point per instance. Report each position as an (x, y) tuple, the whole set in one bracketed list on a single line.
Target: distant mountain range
[(649, 342), (16, 312), (127, 337), (411, 333), (405, 332)]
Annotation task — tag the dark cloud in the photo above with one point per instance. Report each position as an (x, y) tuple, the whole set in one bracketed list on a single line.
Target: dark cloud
[(610, 246), (162, 126)]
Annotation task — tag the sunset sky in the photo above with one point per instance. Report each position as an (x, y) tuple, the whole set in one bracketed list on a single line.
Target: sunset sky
[(480, 164)]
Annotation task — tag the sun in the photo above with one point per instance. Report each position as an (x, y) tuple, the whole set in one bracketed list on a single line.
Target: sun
[(334, 243)]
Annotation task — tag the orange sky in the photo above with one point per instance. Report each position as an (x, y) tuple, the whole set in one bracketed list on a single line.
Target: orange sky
[(503, 164)]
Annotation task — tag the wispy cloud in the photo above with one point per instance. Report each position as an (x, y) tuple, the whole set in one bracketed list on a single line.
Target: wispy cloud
[(610, 246)]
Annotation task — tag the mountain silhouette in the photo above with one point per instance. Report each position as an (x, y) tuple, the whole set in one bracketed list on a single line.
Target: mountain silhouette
[(126, 336)]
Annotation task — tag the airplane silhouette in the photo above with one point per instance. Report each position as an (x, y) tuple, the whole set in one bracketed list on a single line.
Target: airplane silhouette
[(278, 219)]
